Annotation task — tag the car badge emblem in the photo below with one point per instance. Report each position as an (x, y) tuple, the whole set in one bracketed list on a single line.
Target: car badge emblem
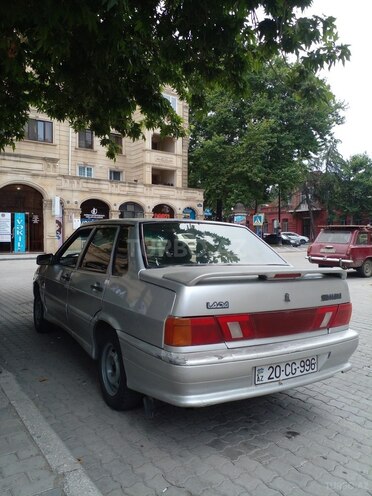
[(331, 296), (286, 297), (217, 304)]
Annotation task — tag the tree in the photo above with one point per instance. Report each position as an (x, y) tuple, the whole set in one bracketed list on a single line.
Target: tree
[(345, 189), (242, 149), (94, 62)]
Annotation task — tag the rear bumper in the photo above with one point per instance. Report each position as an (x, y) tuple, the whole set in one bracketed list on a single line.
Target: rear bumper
[(205, 378), (331, 261)]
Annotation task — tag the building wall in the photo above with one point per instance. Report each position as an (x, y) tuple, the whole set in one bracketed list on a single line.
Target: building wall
[(52, 170), (292, 216)]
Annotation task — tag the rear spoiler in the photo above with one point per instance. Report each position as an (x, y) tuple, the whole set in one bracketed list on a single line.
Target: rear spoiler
[(184, 277)]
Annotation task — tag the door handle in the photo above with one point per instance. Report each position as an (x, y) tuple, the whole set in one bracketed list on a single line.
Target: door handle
[(96, 286), (66, 276)]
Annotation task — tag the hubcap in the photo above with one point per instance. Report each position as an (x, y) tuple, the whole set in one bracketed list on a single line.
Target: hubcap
[(368, 269), (110, 369)]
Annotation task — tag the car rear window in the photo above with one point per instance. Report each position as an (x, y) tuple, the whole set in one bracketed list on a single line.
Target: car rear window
[(340, 237), (190, 243)]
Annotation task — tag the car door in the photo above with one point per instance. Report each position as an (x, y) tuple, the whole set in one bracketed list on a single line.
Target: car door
[(362, 248), (88, 283), (58, 276)]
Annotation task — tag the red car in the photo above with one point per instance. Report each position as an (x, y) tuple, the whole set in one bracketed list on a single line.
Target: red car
[(349, 247)]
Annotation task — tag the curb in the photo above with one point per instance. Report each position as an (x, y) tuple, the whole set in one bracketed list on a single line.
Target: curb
[(18, 257), (75, 481)]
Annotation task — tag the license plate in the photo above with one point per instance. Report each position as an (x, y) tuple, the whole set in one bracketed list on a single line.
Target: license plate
[(286, 370)]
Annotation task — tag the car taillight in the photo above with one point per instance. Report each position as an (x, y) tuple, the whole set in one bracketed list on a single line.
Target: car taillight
[(211, 330), (191, 331), (343, 315)]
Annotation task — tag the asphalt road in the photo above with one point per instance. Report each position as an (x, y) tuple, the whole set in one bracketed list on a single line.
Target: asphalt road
[(315, 440)]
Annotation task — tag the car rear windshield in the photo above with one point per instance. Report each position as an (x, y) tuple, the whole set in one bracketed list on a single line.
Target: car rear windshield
[(340, 237), (170, 243)]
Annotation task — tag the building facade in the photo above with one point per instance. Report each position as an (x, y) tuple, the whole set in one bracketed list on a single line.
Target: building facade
[(291, 214), (55, 179)]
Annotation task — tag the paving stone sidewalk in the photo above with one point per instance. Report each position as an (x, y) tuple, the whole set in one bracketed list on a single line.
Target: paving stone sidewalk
[(33, 460), (309, 441)]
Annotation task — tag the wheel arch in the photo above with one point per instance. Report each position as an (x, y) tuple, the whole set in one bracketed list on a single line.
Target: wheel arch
[(100, 329)]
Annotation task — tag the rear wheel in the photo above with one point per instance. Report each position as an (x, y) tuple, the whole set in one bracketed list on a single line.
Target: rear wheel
[(112, 375), (366, 269), (40, 324)]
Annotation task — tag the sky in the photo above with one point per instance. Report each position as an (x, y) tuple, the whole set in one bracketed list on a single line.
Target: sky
[(351, 83)]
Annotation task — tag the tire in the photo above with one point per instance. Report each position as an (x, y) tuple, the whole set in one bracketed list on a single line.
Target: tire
[(366, 269), (112, 377), (41, 325)]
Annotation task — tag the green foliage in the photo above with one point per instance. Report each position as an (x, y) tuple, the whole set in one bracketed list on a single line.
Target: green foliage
[(344, 186), (242, 147), (94, 62)]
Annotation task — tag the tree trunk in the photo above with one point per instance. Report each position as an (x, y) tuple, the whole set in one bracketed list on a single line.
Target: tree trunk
[(310, 205)]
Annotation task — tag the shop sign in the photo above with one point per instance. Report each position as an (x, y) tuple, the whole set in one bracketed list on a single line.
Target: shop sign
[(161, 216), (93, 215), (5, 227), (240, 219), (19, 232)]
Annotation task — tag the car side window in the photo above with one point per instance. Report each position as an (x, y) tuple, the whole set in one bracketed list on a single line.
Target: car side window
[(362, 239), (69, 255), (98, 254), (120, 263)]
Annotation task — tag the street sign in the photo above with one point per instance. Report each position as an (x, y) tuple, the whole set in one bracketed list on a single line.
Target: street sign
[(258, 219)]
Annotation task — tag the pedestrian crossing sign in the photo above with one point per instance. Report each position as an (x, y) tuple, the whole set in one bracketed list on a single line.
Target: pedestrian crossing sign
[(258, 219)]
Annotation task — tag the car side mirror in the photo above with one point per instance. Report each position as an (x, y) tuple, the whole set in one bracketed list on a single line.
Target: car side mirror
[(46, 259)]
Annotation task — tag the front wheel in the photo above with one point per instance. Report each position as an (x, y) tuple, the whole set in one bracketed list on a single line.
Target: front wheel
[(112, 376), (366, 269), (40, 324)]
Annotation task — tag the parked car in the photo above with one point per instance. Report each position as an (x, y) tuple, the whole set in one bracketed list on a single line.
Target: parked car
[(302, 239), (192, 313), (280, 239), (349, 247), (290, 240)]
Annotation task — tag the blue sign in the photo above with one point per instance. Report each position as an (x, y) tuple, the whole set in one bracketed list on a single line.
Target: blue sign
[(19, 232), (258, 219)]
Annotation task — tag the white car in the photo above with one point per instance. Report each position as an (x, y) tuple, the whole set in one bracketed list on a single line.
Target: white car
[(192, 312), (302, 239)]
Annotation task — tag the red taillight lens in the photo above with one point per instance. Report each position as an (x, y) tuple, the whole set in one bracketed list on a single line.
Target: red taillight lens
[(343, 315), (192, 331), (195, 331)]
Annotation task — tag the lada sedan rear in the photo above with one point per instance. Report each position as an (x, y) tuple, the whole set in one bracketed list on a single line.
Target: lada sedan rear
[(193, 313)]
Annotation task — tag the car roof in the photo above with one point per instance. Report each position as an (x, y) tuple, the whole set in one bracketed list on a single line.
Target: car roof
[(346, 227)]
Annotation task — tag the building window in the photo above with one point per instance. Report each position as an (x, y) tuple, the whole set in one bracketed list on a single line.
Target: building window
[(115, 175), (131, 210), (85, 171), (163, 177), (86, 139), (118, 140), (172, 100), (161, 144), (36, 130)]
